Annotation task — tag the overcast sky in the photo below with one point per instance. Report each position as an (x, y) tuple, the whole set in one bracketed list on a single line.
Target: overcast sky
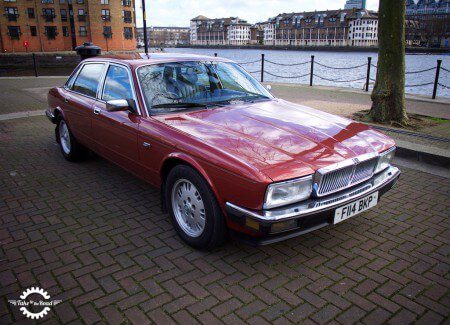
[(180, 12)]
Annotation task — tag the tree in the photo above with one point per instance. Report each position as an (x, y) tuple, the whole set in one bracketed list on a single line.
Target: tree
[(388, 95)]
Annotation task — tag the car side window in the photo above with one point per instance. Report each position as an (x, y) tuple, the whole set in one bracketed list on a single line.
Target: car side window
[(88, 79), (117, 84), (71, 80)]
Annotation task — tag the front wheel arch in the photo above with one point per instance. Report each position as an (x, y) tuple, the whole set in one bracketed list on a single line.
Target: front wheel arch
[(215, 226), (182, 159)]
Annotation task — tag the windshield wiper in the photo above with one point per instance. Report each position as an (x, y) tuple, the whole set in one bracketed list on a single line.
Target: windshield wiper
[(180, 105), (252, 95)]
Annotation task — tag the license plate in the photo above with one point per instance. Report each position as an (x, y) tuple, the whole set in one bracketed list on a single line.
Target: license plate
[(355, 207)]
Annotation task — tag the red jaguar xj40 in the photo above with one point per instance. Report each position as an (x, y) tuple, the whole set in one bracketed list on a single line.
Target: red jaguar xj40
[(229, 157)]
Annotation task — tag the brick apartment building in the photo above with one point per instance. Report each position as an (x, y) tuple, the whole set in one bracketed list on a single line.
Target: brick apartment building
[(428, 23), (158, 35), (318, 28), (61, 25), (219, 31)]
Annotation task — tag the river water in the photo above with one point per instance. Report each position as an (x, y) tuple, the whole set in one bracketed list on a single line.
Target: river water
[(356, 77)]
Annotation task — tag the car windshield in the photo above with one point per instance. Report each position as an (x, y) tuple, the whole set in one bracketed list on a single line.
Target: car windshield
[(186, 85)]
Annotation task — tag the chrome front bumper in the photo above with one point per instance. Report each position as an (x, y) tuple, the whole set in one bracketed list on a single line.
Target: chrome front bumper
[(386, 178), (50, 115)]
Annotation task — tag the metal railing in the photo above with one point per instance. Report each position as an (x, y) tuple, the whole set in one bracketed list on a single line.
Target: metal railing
[(366, 78)]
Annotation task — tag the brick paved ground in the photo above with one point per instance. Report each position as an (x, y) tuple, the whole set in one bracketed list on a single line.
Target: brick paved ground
[(94, 236)]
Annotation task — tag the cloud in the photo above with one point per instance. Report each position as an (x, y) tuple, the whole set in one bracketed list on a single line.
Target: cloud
[(180, 12)]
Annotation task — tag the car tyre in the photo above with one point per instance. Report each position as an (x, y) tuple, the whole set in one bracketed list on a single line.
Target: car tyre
[(71, 149), (193, 208)]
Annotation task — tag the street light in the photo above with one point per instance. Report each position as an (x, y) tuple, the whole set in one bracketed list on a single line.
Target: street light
[(145, 27)]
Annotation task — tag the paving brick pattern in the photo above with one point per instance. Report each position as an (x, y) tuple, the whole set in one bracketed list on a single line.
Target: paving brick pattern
[(95, 237)]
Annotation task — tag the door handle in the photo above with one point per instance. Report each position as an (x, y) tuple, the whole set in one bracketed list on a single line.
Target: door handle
[(66, 99), (97, 110), (146, 145)]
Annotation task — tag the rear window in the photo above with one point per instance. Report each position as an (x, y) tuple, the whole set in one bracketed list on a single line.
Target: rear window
[(88, 79)]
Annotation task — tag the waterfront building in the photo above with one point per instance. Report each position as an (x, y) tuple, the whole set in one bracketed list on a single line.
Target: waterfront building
[(355, 4), (61, 25), (257, 32), (429, 23), (157, 36), (219, 31), (323, 28), (363, 28)]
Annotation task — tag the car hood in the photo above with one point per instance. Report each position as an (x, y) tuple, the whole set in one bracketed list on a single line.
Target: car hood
[(280, 139)]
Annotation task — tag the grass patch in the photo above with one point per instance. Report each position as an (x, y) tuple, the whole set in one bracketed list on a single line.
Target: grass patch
[(416, 122)]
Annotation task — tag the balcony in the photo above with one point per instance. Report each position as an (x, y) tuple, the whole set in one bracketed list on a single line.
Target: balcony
[(14, 34), (128, 19), (51, 34), (12, 17), (107, 34), (106, 17), (49, 17), (81, 17)]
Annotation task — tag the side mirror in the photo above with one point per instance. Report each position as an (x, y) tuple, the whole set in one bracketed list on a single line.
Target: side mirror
[(116, 105)]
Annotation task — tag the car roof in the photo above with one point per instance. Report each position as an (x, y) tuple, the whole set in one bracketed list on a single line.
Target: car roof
[(138, 59)]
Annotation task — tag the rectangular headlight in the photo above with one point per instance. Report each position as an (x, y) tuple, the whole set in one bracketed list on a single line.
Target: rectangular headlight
[(288, 192), (385, 159)]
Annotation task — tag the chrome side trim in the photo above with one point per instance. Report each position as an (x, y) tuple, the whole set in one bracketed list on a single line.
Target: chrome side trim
[(322, 204)]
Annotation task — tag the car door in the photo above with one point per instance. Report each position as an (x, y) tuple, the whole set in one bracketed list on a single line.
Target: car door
[(116, 133), (79, 98)]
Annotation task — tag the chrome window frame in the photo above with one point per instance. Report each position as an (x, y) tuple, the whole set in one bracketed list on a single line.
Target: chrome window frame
[(101, 83), (130, 78), (79, 69)]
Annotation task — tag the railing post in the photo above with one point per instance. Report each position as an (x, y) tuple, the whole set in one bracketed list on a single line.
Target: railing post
[(215, 54), (262, 67), (436, 78), (312, 71), (34, 65), (369, 62)]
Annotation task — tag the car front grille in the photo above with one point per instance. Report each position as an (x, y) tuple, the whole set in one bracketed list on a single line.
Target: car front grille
[(341, 178)]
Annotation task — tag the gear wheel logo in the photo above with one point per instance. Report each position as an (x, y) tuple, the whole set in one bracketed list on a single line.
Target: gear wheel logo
[(25, 302)]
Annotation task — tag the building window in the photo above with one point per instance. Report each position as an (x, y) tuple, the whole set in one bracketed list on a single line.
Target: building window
[(63, 15), (106, 15), (14, 32), (80, 2), (107, 31), (128, 32), (62, 1), (11, 13), (65, 31), (127, 18), (81, 15), (104, 2), (33, 30), (48, 14), (30, 13), (126, 3), (51, 32), (47, 1), (82, 31)]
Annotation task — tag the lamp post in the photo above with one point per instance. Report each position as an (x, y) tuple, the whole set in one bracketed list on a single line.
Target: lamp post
[(144, 18)]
